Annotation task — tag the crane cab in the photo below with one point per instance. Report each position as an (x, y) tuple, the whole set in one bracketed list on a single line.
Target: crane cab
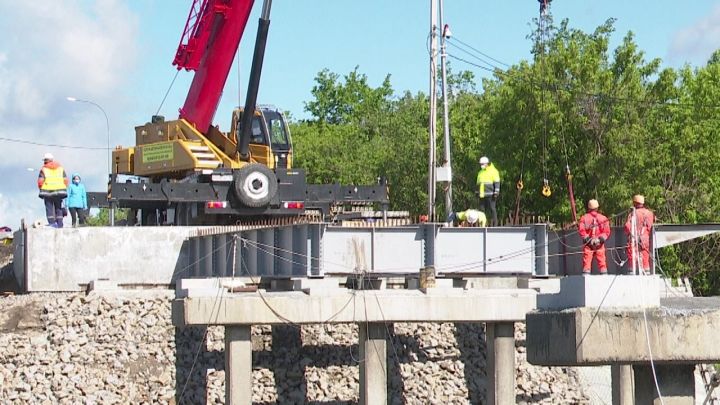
[(270, 142)]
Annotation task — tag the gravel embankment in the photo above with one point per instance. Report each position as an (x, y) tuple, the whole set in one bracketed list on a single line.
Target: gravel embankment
[(63, 348)]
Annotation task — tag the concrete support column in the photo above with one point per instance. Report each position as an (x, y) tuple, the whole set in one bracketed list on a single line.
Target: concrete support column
[(238, 365), (622, 384), (500, 363), (677, 384), (373, 363)]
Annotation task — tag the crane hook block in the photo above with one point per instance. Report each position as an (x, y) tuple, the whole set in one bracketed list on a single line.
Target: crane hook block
[(546, 189), (519, 185)]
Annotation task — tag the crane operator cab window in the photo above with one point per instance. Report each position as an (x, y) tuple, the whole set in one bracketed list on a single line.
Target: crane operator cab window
[(279, 137), (257, 133), (269, 138)]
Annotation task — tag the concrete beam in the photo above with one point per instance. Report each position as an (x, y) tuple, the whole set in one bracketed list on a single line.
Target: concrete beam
[(68, 259), (686, 333), (443, 305)]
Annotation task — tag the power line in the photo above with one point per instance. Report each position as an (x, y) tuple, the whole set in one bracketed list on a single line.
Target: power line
[(51, 145), (473, 55), (474, 64), (453, 39), (601, 96)]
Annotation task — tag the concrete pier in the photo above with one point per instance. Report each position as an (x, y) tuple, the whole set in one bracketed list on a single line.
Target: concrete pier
[(373, 363), (623, 384), (501, 363), (675, 336), (372, 310), (238, 359)]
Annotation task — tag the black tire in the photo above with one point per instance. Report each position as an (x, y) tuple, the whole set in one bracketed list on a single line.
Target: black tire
[(255, 185)]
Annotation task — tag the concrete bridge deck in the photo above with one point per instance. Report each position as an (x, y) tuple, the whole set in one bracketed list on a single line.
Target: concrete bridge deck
[(355, 306)]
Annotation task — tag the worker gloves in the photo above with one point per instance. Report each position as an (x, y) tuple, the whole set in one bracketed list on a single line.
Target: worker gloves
[(594, 242)]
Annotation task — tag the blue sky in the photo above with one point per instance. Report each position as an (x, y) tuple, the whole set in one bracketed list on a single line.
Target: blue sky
[(118, 54)]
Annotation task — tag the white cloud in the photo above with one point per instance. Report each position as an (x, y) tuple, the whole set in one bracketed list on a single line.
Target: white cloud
[(13, 209), (50, 50), (70, 48), (698, 41)]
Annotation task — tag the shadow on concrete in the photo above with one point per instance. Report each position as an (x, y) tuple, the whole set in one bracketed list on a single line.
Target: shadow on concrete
[(192, 361), (396, 357), (8, 284), (186, 263), (470, 338), (290, 384)]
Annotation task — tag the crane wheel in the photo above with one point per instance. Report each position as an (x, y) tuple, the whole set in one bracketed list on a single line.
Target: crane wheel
[(255, 185)]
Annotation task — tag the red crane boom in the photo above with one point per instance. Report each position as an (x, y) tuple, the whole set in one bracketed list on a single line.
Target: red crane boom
[(208, 44)]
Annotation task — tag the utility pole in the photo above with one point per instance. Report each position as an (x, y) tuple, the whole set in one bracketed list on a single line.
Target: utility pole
[(447, 166), (433, 110)]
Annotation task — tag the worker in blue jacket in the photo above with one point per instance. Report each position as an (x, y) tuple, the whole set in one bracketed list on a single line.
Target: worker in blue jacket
[(77, 200)]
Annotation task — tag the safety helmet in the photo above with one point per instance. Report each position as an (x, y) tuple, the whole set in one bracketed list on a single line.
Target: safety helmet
[(484, 160), (639, 199), (593, 204), (48, 156), (472, 216)]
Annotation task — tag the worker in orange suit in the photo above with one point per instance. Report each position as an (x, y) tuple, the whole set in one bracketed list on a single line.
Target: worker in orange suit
[(638, 236), (594, 229)]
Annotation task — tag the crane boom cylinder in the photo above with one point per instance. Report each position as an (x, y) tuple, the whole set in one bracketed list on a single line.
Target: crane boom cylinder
[(254, 81)]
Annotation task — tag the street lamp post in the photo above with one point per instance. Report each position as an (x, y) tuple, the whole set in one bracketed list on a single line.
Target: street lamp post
[(109, 151)]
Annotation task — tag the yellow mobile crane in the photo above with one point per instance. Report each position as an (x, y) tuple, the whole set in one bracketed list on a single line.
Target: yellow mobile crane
[(205, 176)]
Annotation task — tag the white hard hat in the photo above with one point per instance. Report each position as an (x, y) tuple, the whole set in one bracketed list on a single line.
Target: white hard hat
[(48, 156), (484, 160), (472, 216)]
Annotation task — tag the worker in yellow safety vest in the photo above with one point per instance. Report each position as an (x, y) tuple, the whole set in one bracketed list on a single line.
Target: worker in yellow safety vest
[(53, 182), (471, 218), (488, 181)]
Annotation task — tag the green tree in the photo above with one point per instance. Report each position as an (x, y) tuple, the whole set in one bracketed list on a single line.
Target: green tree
[(358, 134), (619, 122), (102, 217)]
